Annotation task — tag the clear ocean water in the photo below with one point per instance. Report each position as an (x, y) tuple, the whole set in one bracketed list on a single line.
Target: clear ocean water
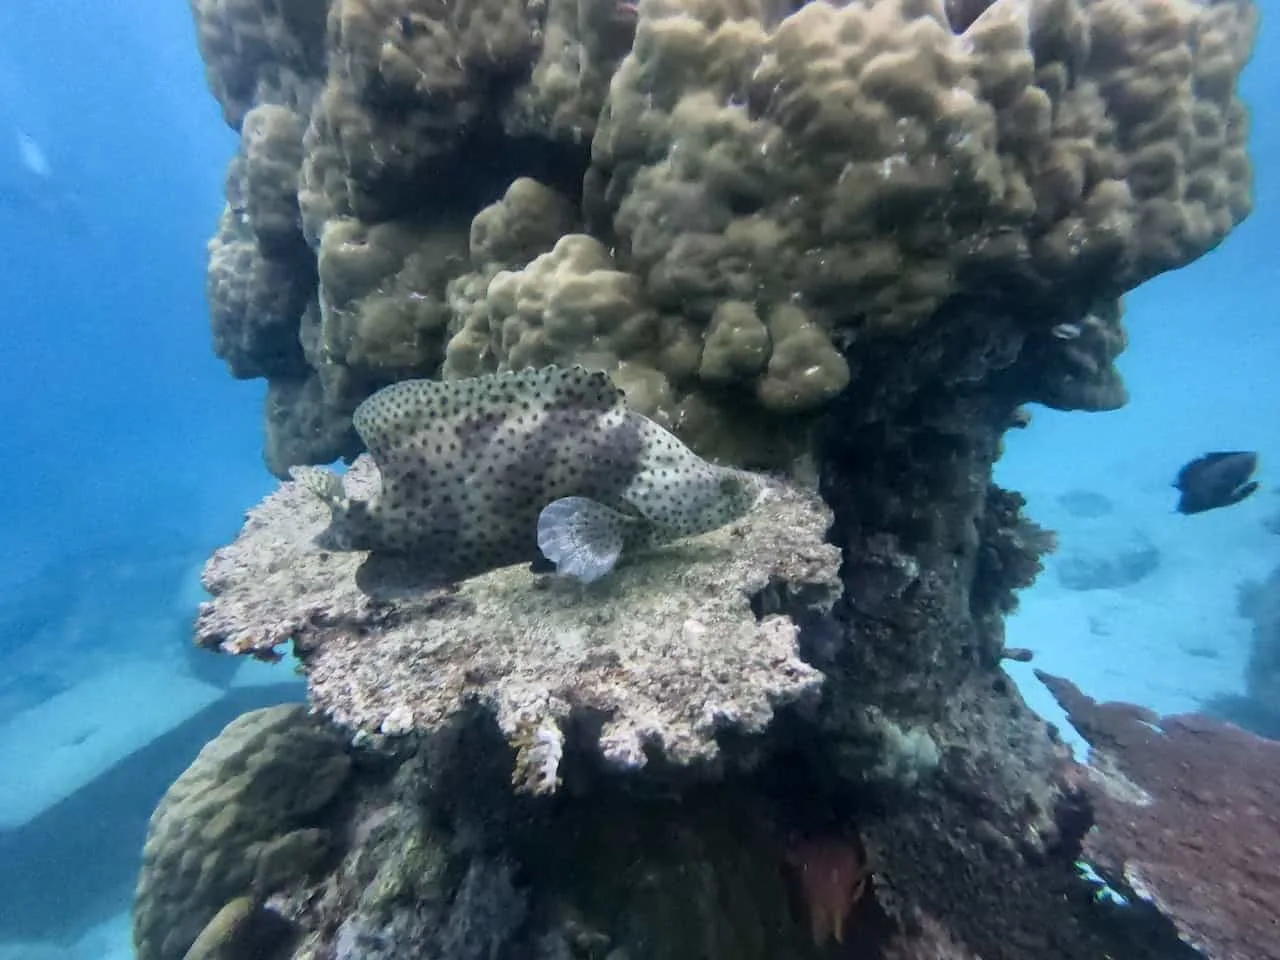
[(131, 454)]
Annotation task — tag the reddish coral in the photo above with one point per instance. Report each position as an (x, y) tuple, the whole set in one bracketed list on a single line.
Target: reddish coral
[(1188, 814)]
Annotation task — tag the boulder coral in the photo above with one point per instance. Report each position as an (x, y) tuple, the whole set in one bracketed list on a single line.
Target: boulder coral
[(242, 821), (851, 174)]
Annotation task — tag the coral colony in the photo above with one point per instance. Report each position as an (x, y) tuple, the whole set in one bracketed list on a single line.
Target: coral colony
[(840, 245)]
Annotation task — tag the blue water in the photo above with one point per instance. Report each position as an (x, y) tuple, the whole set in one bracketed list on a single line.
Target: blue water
[(132, 453)]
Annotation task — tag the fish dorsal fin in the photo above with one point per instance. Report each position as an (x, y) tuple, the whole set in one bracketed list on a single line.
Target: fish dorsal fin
[(409, 407)]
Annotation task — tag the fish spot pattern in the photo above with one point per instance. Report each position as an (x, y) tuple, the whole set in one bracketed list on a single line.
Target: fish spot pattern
[(466, 467)]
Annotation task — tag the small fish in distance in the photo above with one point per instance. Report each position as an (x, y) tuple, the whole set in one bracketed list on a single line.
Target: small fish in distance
[(484, 472), (1216, 480)]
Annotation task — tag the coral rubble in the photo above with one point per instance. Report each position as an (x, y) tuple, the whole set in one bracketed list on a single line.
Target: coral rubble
[(846, 242)]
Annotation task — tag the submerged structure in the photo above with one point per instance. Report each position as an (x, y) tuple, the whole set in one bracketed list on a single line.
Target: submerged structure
[(844, 243)]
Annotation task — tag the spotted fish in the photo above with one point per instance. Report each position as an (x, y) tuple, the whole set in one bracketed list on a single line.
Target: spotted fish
[(483, 472)]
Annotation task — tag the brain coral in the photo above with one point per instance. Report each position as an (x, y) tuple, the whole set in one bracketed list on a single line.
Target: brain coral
[(734, 205), (239, 821)]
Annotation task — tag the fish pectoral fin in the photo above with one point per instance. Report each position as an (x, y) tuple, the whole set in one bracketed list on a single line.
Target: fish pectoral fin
[(582, 537)]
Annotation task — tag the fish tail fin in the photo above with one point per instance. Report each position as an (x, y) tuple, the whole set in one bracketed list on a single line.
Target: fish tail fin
[(349, 521), (322, 483), (1248, 490), (581, 537)]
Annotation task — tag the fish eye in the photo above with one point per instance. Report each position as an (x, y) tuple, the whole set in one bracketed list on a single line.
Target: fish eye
[(729, 484)]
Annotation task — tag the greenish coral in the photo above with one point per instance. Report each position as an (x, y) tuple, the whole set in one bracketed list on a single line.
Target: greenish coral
[(858, 178), (255, 302), (580, 43), (527, 221), (261, 275), (573, 305), (569, 305), (569, 302), (737, 346), (243, 928), (303, 425), (241, 821), (870, 165), (409, 80), (271, 144), (805, 370), (258, 53), (384, 314)]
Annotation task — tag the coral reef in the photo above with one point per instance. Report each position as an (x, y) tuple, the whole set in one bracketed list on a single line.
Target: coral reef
[(846, 242), (1187, 817), (242, 821)]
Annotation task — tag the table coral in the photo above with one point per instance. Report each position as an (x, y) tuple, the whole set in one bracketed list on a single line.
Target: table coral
[(674, 650), (1188, 818)]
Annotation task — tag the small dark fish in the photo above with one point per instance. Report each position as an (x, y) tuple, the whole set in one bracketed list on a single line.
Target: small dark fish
[(1216, 480)]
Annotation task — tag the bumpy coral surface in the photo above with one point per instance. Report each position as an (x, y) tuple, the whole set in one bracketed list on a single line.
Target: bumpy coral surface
[(239, 822), (257, 53), (673, 649), (770, 192), (875, 163)]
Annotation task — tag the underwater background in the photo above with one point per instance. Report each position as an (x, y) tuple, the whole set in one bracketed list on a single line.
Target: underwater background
[(133, 454)]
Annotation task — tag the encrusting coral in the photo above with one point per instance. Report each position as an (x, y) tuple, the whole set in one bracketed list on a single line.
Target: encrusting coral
[(843, 241)]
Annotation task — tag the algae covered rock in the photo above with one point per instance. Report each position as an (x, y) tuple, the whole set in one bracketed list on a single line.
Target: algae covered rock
[(241, 821)]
